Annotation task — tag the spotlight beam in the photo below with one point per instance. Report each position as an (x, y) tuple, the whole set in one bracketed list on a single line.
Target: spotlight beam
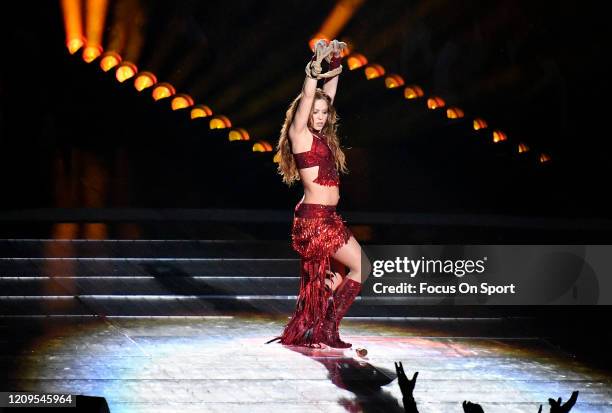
[(73, 24), (337, 19), (96, 14)]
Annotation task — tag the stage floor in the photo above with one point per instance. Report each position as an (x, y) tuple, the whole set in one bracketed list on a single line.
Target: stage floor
[(221, 364)]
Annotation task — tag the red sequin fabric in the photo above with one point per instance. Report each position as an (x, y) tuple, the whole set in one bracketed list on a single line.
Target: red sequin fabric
[(319, 155), (317, 233)]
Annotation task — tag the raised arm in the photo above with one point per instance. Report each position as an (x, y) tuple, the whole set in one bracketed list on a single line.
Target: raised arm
[(300, 120), (323, 50), (330, 86)]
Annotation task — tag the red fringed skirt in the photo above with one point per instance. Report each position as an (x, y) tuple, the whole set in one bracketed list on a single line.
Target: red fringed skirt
[(317, 233)]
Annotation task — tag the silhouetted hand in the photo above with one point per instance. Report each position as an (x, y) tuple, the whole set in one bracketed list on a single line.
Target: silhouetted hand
[(407, 387), (557, 407), (469, 407)]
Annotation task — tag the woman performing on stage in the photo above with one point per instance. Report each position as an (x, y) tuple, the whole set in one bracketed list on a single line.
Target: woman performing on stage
[(310, 151)]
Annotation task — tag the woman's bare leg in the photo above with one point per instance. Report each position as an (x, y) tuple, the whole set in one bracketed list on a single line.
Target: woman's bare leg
[(350, 255)]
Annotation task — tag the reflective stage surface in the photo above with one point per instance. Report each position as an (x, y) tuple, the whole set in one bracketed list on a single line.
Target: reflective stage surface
[(221, 364)]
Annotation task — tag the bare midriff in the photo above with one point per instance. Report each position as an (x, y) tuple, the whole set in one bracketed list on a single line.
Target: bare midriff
[(315, 193)]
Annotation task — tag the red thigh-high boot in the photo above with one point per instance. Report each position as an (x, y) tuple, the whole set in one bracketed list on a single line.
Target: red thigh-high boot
[(342, 299)]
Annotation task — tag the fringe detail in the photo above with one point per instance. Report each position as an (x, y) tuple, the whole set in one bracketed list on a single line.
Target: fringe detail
[(316, 240), (305, 326), (319, 238)]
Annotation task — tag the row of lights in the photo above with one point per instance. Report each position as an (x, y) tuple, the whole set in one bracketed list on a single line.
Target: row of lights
[(411, 92), (146, 80)]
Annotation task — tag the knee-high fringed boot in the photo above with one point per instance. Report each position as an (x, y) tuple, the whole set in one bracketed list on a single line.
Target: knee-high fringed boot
[(342, 299)]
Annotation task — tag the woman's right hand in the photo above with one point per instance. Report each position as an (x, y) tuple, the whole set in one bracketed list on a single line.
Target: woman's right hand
[(334, 277)]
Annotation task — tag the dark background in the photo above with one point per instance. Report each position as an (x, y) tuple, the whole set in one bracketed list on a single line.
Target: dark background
[(73, 137)]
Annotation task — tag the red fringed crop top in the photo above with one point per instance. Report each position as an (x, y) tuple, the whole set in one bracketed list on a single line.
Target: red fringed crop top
[(319, 155)]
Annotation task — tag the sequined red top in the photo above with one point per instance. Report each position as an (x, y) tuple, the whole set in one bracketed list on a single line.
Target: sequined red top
[(319, 155)]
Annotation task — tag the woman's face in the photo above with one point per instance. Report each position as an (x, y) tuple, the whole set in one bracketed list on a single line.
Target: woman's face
[(319, 114)]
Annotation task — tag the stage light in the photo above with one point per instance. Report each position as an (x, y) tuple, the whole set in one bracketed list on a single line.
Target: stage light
[(499, 136), (125, 71), (336, 20), (413, 92), (435, 102), (522, 148), (393, 81), (262, 146), (162, 91), (239, 134), (454, 113), (373, 71), (220, 122), (181, 101), (74, 45), (144, 80), (479, 124), (73, 25), (109, 60), (95, 14), (356, 60), (544, 158), (91, 53), (200, 111)]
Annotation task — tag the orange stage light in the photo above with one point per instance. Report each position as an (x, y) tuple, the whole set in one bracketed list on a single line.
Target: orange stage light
[(435, 102), (356, 60), (94, 24), (544, 158), (181, 101), (91, 53), (393, 81), (413, 92), (162, 91), (200, 111), (220, 122), (522, 148), (75, 44), (239, 134), (499, 136), (125, 71), (372, 71), (336, 20), (144, 80), (109, 60), (480, 124), (262, 146), (454, 113), (73, 24)]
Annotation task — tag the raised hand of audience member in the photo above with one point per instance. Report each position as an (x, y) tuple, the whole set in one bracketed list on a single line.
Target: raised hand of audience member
[(407, 387), (557, 407)]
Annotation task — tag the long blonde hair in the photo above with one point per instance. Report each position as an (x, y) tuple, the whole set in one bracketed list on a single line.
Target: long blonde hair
[(286, 165)]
